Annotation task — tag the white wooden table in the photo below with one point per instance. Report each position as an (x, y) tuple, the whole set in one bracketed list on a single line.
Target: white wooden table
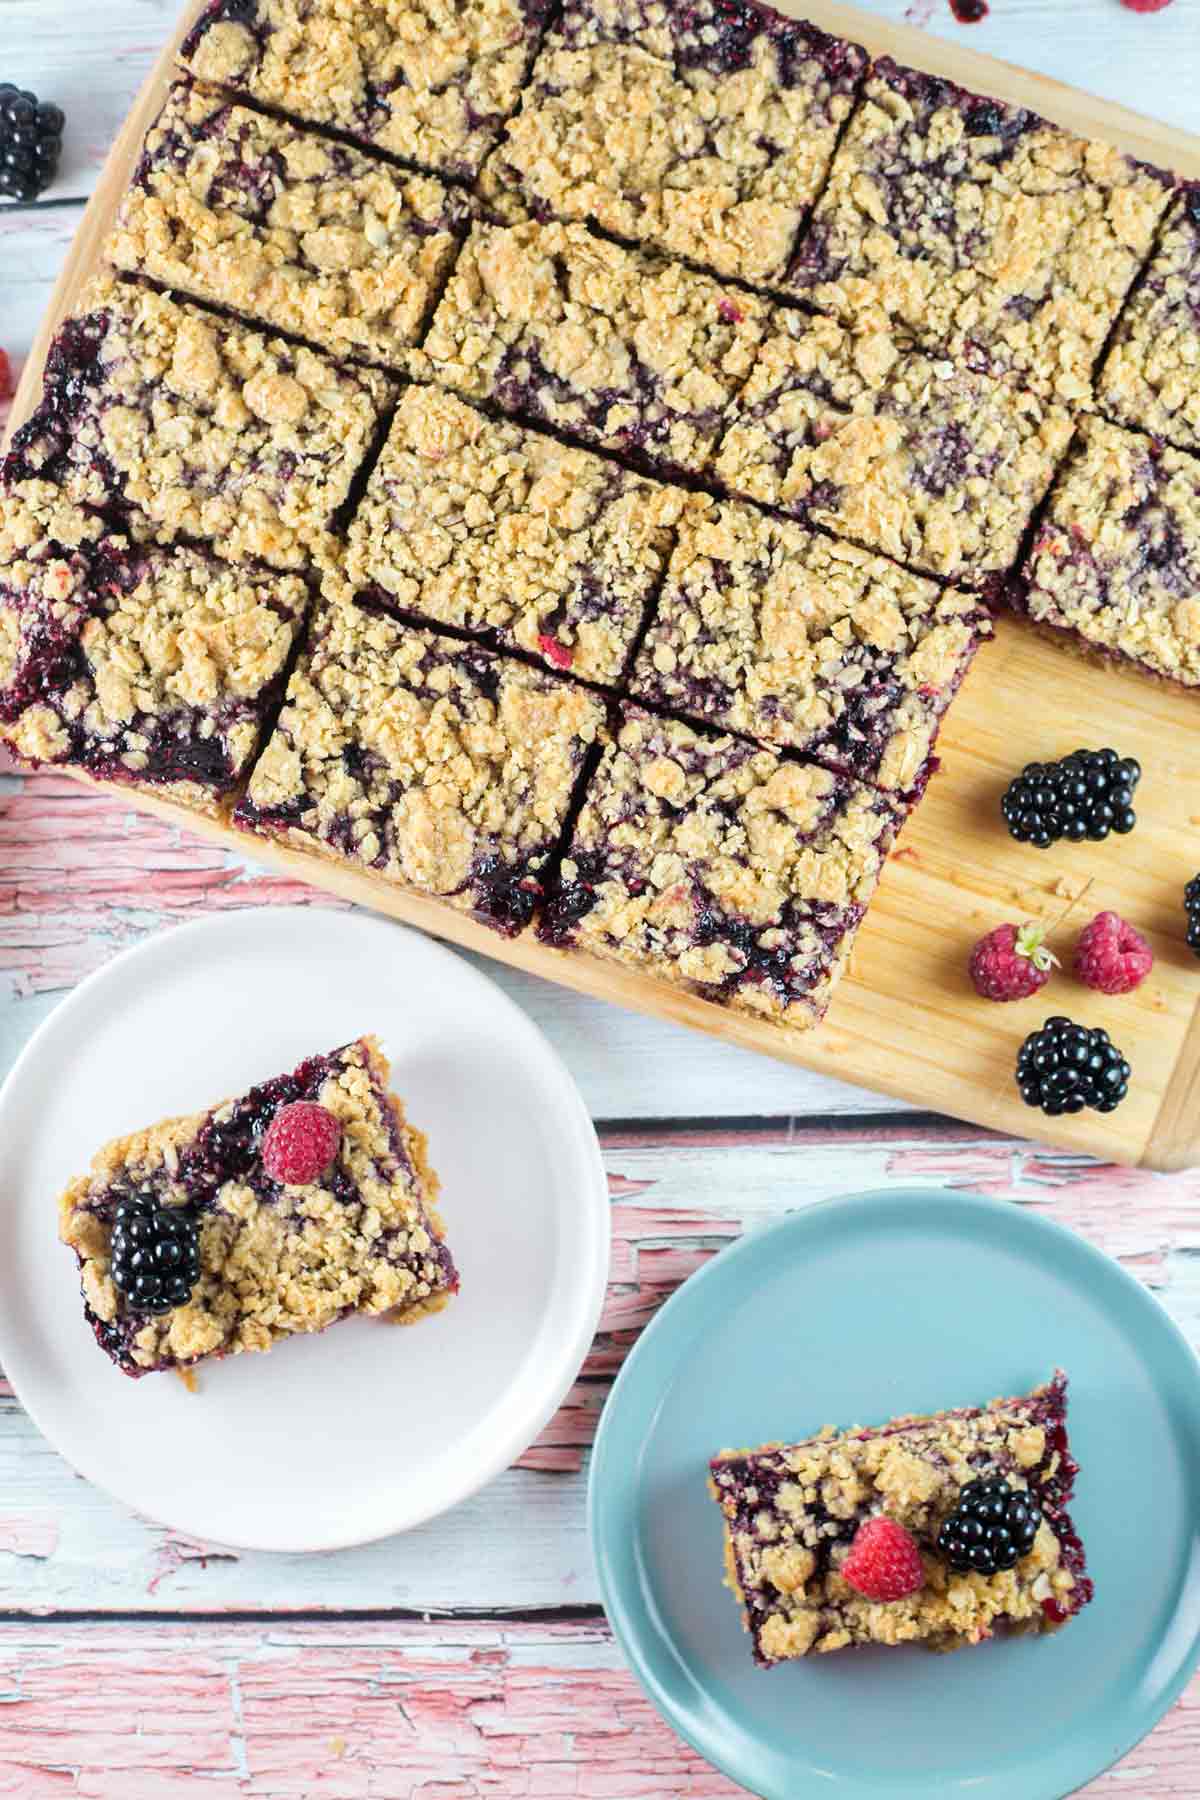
[(469, 1658)]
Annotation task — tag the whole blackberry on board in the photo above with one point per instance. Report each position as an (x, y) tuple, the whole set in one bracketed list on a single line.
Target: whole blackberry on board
[(1065, 1067), (30, 143), (1191, 900), (155, 1254), (992, 1525), (1085, 795)]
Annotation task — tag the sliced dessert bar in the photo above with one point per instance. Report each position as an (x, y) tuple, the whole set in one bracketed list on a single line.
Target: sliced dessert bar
[(286, 227), (607, 345), (980, 227), (501, 532), (304, 1200), (444, 768), (702, 130), (1151, 376), (793, 1511), (719, 866), (924, 459), (1116, 562), (136, 663), (803, 641), (204, 428), (428, 80)]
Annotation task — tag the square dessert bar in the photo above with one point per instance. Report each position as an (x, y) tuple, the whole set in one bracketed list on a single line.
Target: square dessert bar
[(201, 427), (498, 531), (721, 867), (805, 642), (274, 1249), (792, 1512), (288, 228), (444, 768), (133, 662), (431, 81), (1151, 376), (980, 228), (925, 459), (1116, 562), (702, 130), (604, 344)]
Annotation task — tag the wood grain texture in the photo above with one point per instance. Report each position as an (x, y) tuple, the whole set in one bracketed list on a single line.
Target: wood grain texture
[(393, 1709)]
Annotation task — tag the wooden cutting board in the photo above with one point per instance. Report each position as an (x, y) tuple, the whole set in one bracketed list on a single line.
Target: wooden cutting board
[(906, 1020)]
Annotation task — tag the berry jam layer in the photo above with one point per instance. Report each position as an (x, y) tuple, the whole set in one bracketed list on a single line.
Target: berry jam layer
[(1151, 376), (801, 641), (431, 81), (716, 865), (275, 1258), (607, 345), (929, 461), (443, 768), (287, 228), (981, 229), (792, 1511), (703, 130), (135, 663), (1117, 560), (510, 536), (203, 428)]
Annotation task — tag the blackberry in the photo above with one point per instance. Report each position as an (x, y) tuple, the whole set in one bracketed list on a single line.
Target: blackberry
[(1064, 1067), (1191, 900), (155, 1254), (992, 1525), (30, 143), (1085, 795)]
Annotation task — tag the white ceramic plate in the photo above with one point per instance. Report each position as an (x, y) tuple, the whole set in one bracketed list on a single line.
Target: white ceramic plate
[(365, 1429)]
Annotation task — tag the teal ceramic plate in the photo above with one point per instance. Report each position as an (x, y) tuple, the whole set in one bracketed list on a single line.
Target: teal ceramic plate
[(852, 1311)]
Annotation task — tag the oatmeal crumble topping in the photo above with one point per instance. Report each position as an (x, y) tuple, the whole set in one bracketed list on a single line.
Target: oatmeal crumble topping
[(607, 345), (931, 462), (792, 1511), (203, 428), (441, 766), (704, 130), (980, 228), (721, 867), (428, 80), (138, 664), (801, 641), (275, 1259), (286, 227), (1117, 559), (509, 535), (1151, 376)]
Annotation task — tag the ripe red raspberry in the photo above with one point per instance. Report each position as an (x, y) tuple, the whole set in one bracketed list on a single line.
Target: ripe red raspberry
[(884, 1562), (1145, 5), (6, 376), (1011, 963), (1111, 956), (300, 1143)]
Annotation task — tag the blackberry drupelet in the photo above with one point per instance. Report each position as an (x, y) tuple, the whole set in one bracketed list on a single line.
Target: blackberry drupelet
[(1191, 900), (30, 143), (1085, 795), (1064, 1068), (155, 1254), (992, 1525)]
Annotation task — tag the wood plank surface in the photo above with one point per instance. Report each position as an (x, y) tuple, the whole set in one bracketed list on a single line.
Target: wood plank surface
[(112, 1684)]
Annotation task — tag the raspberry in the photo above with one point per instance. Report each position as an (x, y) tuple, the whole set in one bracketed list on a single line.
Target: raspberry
[(884, 1562), (300, 1143), (1145, 5), (6, 376), (1011, 963), (1111, 956)]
